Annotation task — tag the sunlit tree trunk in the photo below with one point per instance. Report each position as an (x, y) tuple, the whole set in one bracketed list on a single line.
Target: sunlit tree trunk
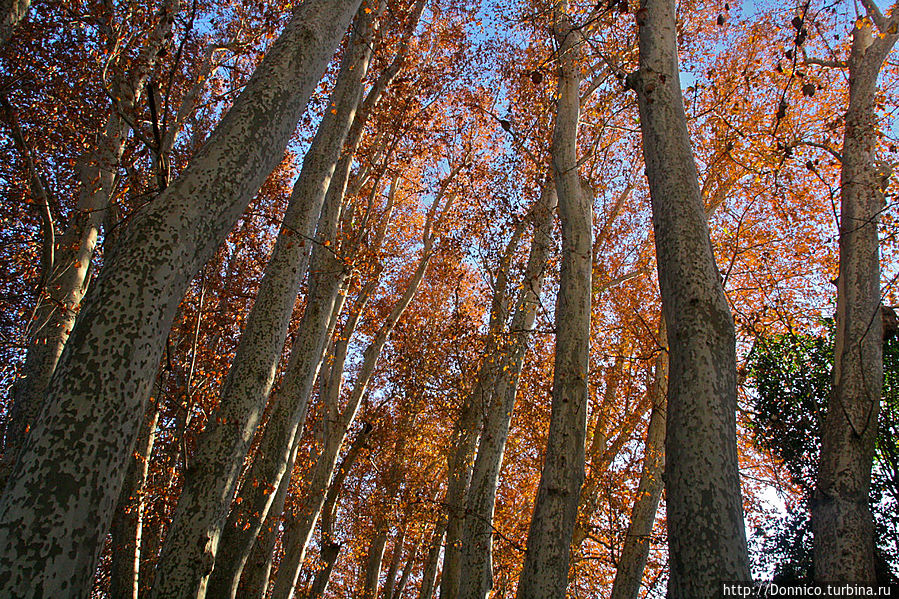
[(477, 534), (545, 570), (841, 519), (64, 487), (706, 537), (632, 561)]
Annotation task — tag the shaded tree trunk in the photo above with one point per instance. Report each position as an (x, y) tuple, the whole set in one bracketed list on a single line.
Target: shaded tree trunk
[(545, 570), (841, 519), (706, 537), (68, 267), (632, 561), (330, 551), (64, 486), (127, 523)]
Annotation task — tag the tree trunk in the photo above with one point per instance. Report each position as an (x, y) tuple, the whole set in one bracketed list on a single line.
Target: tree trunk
[(706, 537), (185, 563), (841, 519), (326, 276), (395, 559), (128, 519), (477, 558), (545, 571), (407, 572), (330, 551), (373, 565), (330, 548), (12, 12), (66, 281), (432, 561), (64, 487), (632, 562)]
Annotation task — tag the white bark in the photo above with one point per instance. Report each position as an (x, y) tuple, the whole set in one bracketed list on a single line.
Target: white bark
[(545, 570), (841, 519), (706, 538), (477, 558), (64, 487)]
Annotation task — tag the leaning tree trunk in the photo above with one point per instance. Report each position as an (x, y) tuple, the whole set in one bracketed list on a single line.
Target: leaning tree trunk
[(66, 281), (477, 533), (841, 519), (185, 564), (330, 549), (706, 537), (545, 571), (327, 275), (632, 561), (64, 487)]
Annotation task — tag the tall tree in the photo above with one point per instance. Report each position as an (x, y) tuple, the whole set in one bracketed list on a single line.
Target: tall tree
[(64, 486), (841, 519), (545, 571), (185, 564), (707, 541), (477, 532)]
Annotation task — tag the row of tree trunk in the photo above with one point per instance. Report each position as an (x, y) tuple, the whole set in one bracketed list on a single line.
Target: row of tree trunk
[(222, 535)]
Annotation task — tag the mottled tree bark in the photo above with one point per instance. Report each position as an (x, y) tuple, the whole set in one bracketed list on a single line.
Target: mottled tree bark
[(185, 563), (841, 519), (632, 561), (64, 487), (66, 280), (706, 537), (545, 570), (477, 533)]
